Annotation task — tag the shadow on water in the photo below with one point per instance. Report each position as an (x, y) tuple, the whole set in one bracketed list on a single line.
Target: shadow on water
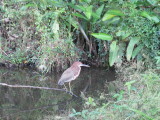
[(33, 104)]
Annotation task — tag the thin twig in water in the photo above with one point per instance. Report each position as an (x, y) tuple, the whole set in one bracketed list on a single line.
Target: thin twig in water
[(35, 87)]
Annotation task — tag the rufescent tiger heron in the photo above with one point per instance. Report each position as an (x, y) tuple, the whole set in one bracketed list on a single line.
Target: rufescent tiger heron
[(71, 73)]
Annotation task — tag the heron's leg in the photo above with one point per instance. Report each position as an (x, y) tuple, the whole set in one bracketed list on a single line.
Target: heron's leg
[(70, 87)]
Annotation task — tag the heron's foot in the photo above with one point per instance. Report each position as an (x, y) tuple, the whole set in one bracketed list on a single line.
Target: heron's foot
[(65, 89), (71, 92)]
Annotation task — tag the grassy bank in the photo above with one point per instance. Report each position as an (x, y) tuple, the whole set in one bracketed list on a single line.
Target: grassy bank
[(134, 96)]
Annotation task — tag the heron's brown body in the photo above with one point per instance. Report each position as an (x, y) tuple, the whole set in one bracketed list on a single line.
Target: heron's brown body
[(71, 73)]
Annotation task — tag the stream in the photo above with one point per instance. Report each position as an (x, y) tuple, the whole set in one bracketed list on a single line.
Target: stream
[(39, 104)]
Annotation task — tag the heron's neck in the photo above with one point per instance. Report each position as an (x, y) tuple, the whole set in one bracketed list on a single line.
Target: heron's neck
[(76, 70)]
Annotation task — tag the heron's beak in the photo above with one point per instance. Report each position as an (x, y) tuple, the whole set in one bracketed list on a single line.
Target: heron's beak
[(85, 65)]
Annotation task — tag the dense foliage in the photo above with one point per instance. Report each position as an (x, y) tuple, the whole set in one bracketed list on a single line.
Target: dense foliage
[(53, 33)]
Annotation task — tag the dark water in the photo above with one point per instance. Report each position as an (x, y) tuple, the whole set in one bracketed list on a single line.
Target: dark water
[(38, 104)]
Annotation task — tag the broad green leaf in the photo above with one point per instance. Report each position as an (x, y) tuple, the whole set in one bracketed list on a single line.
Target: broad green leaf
[(81, 7), (80, 16), (136, 51), (155, 19), (73, 110), (113, 53), (152, 18), (111, 13), (107, 17), (121, 52), (88, 12), (114, 20), (96, 15), (113, 46), (146, 15), (115, 12), (99, 10), (130, 47), (76, 7), (102, 36)]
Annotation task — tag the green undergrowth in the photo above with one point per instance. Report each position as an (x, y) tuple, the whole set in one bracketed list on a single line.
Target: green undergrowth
[(33, 34), (54, 33), (134, 96)]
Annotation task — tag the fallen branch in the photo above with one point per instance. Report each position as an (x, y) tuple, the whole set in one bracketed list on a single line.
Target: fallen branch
[(85, 36), (35, 87)]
